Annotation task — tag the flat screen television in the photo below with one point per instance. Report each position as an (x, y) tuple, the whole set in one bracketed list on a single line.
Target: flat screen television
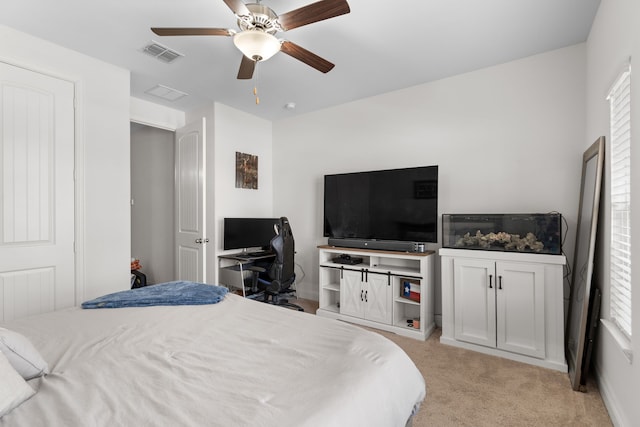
[(245, 233), (392, 204)]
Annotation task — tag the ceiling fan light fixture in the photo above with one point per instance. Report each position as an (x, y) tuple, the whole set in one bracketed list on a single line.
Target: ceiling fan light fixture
[(256, 44)]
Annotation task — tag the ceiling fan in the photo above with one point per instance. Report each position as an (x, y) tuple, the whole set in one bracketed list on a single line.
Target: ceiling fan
[(258, 24)]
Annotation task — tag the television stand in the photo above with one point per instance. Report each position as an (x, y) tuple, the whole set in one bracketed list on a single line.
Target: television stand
[(388, 290)]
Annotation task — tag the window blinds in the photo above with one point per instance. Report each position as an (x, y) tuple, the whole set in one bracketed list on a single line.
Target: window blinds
[(620, 153)]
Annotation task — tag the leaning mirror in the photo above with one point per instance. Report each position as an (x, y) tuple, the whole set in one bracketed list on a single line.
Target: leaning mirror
[(592, 162)]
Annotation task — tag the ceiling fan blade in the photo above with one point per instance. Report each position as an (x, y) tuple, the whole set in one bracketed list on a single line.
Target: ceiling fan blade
[(193, 31), (313, 12), (309, 58), (238, 7), (246, 68)]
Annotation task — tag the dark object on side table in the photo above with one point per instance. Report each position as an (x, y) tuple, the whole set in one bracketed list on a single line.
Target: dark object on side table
[(347, 259), (138, 279)]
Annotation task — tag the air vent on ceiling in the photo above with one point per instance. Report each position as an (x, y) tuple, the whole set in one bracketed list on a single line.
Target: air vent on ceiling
[(166, 93), (161, 52)]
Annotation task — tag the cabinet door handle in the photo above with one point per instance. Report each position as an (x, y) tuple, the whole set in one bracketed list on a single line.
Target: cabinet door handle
[(341, 272), (361, 293), (490, 281), (365, 296), (362, 275), (499, 282)]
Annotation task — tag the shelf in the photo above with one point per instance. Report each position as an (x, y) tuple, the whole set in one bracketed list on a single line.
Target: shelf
[(406, 301), (346, 266), (380, 268), (333, 308), (402, 323), (396, 270), (331, 287), (374, 252)]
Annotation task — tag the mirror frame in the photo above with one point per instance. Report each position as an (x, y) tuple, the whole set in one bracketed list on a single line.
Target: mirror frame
[(582, 274)]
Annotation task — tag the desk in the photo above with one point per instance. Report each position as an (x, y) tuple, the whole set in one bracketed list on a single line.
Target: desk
[(240, 262)]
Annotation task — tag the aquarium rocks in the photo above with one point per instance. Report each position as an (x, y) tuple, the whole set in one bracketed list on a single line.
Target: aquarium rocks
[(509, 242)]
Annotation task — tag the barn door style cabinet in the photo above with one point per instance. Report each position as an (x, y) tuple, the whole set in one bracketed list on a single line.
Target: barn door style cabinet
[(505, 304), (366, 295), (387, 290)]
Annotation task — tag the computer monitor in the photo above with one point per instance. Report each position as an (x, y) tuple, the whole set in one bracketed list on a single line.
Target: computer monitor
[(245, 233)]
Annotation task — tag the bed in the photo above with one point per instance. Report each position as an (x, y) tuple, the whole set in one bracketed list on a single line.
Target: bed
[(235, 363)]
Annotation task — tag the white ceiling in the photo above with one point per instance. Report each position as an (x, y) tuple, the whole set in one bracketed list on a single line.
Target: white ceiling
[(379, 47)]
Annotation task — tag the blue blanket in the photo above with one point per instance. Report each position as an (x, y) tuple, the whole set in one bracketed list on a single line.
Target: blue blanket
[(170, 293)]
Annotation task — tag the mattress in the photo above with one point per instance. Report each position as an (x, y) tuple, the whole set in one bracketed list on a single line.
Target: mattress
[(235, 363)]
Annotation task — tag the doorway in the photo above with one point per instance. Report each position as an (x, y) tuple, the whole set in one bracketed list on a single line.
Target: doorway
[(152, 201)]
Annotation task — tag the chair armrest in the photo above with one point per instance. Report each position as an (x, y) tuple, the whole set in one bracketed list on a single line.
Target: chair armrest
[(256, 269)]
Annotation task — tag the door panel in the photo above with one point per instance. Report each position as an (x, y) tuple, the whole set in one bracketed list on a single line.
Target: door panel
[(474, 312), (190, 203), (520, 308), (378, 299), (37, 262), (350, 293), (29, 292)]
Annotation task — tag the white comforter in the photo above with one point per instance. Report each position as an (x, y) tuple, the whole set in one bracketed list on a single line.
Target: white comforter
[(236, 363)]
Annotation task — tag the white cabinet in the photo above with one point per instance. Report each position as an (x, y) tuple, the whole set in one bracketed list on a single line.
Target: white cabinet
[(500, 305), (507, 304), (371, 292)]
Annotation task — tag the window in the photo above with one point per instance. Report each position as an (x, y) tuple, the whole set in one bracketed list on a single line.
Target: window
[(619, 158)]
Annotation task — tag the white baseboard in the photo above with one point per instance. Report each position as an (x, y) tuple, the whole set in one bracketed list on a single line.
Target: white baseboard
[(608, 397)]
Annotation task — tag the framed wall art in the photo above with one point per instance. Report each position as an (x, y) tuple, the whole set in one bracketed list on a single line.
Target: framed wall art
[(246, 171)]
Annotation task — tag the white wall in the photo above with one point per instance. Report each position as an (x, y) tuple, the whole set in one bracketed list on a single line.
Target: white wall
[(614, 37), (507, 139), (102, 156), (230, 130), (155, 115)]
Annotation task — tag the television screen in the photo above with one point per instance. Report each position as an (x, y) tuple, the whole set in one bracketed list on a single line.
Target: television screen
[(393, 204), (244, 233)]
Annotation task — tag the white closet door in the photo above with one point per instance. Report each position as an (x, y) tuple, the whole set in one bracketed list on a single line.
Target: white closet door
[(37, 201), (190, 203)]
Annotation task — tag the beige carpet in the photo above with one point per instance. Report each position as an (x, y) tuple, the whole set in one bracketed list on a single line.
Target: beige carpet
[(466, 388)]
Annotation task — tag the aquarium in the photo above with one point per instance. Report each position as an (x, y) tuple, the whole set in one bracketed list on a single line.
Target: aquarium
[(531, 233)]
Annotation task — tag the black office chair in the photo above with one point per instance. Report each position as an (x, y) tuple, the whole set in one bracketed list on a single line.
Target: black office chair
[(280, 276)]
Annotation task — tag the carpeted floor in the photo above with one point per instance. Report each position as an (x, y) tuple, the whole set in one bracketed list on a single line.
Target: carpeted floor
[(466, 388)]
